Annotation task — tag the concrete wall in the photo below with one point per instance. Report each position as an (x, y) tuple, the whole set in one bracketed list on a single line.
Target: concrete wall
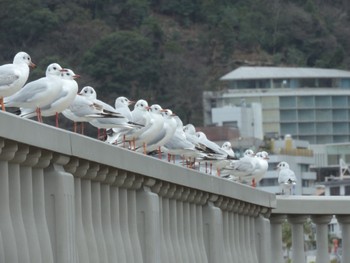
[(65, 197)]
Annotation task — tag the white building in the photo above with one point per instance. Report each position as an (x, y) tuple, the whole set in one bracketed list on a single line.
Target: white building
[(248, 119), (308, 103)]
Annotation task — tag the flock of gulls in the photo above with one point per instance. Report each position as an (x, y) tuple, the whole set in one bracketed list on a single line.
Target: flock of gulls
[(146, 129)]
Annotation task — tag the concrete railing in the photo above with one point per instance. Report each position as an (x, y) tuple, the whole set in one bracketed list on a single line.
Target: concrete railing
[(320, 209), (65, 197)]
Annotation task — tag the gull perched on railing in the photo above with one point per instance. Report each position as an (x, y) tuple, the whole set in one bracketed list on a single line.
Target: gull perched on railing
[(179, 145), (83, 109), (286, 178), (61, 102), (13, 76), (243, 167), (40, 92), (165, 133)]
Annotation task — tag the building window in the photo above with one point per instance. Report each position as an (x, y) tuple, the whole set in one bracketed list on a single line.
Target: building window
[(333, 159), (306, 102), (272, 166), (335, 190), (304, 168), (305, 183), (287, 102), (268, 182), (347, 190)]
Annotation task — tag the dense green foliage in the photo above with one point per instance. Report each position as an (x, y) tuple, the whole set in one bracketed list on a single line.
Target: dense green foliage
[(168, 51)]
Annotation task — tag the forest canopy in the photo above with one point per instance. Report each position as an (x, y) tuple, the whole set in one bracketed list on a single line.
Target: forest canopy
[(168, 52)]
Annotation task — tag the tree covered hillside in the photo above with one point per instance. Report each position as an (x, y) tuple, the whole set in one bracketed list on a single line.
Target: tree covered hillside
[(168, 51)]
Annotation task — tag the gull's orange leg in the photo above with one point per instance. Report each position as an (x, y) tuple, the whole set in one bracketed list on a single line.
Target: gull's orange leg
[(2, 104), (57, 119)]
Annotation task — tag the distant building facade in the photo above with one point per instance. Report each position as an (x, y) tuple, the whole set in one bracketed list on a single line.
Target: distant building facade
[(310, 104)]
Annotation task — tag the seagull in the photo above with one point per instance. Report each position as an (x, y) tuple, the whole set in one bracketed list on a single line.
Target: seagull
[(122, 104), (118, 121), (286, 178), (221, 158), (179, 145), (260, 169), (243, 167), (152, 123), (62, 101), (190, 132), (165, 133), (83, 109), (14, 76), (40, 92), (214, 154)]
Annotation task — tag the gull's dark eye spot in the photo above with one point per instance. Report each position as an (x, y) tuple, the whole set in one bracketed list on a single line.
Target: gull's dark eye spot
[(54, 68), (85, 91)]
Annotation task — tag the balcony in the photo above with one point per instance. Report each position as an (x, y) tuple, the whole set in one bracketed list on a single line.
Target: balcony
[(65, 197)]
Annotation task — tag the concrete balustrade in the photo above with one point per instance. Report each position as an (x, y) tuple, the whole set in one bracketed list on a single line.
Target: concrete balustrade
[(65, 197), (320, 210)]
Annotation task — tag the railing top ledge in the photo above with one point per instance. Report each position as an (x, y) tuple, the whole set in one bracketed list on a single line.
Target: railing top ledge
[(312, 205), (71, 144)]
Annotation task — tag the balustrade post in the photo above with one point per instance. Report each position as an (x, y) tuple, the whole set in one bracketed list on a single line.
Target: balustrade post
[(39, 205), (116, 212), (60, 210), (9, 246), (106, 220), (174, 231), (214, 234), (263, 228), (276, 222), (148, 222), (78, 170), (236, 229), (21, 235), (344, 220), (200, 199), (321, 222), (297, 222), (169, 239), (186, 224), (231, 230), (101, 202), (132, 183), (27, 195), (96, 177)]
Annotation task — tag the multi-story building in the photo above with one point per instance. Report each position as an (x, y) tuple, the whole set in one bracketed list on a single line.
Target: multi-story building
[(308, 103)]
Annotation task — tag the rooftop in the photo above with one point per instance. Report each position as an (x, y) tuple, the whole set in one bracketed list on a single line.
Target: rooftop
[(244, 73)]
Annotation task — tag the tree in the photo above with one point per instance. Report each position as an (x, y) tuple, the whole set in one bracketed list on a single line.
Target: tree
[(123, 63)]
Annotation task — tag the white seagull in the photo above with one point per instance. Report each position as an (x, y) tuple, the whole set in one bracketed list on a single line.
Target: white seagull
[(38, 93), (83, 109), (118, 121), (62, 101), (178, 143), (260, 169), (286, 178), (244, 167), (165, 134), (14, 76)]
